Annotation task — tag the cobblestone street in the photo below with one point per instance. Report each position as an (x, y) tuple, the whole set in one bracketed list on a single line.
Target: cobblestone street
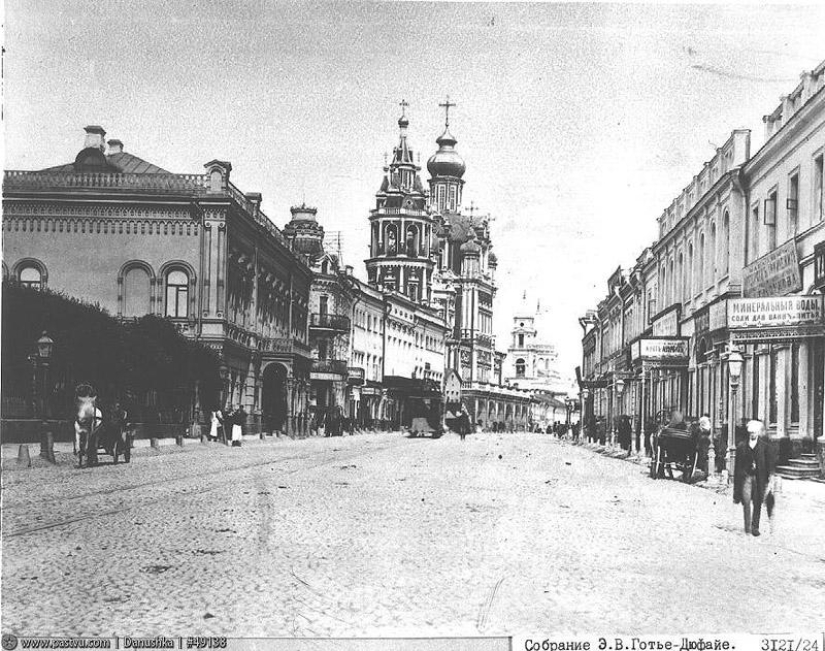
[(384, 535)]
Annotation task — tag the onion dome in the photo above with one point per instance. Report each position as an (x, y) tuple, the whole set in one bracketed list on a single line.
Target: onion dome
[(471, 248), (446, 161)]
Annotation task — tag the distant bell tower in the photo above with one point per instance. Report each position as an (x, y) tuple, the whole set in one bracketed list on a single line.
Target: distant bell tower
[(401, 227), (524, 325), (446, 168)]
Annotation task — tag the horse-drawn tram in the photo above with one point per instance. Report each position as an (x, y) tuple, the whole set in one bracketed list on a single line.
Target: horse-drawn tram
[(94, 434)]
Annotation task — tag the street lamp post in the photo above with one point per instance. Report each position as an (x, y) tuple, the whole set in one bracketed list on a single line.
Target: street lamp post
[(585, 412), (617, 409), (40, 364), (734, 372)]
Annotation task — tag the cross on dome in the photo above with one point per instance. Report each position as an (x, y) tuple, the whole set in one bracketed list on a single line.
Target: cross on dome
[(446, 106)]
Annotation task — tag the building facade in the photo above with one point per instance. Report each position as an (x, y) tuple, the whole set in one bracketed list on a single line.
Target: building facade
[(734, 247), (114, 229)]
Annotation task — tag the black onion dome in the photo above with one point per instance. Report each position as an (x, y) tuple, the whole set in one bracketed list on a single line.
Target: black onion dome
[(446, 161)]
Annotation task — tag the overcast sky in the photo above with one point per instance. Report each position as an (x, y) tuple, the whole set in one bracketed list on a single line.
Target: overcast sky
[(579, 123)]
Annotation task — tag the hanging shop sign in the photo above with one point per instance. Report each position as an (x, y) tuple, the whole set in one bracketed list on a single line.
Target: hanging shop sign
[(701, 321), (666, 324), (776, 318), (663, 352), (774, 274)]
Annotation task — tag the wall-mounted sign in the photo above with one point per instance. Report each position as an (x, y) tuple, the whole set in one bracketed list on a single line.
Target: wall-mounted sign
[(718, 315), (669, 351), (667, 323), (774, 274), (774, 312), (819, 265)]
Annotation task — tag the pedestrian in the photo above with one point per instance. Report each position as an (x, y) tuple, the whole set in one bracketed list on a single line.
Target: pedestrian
[(753, 475), (216, 426), (237, 419), (703, 444)]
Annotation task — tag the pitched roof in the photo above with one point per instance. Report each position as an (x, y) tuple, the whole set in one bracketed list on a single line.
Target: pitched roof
[(123, 161)]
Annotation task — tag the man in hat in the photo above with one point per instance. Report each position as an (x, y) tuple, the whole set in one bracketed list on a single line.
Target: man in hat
[(752, 475)]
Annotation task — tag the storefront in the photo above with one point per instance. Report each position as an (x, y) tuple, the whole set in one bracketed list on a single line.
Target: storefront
[(783, 380), (660, 364)]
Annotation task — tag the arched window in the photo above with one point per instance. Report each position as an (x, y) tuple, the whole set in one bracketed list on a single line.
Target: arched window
[(520, 366), (700, 264), (680, 279), (136, 292), (177, 294), (725, 243), (689, 274), (712, 253), (30, 276)]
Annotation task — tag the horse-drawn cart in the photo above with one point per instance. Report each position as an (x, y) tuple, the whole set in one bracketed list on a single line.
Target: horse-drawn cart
[(94, 434), (672, 446)]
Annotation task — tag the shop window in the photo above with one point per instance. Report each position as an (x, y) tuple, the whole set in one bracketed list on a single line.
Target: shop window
[(177, 294), (772, 407), (794, 382)]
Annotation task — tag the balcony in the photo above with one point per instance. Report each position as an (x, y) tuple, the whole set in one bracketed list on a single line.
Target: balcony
[(484, 340), (326, 367), (334, 322)]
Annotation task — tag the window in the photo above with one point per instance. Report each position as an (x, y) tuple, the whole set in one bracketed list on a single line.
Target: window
[(323, 305), (136, 292), (177, 294), (322, 349), (520, 366), (31, 277), (521, 341), (689, 274), (794, 382), (819, 181), (793, 205), (755, 234), (700, 267), (770, 220), (726, 243), (712, 253)]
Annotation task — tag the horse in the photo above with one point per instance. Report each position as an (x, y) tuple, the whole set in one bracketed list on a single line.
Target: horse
[(674, 446), (88, 420)]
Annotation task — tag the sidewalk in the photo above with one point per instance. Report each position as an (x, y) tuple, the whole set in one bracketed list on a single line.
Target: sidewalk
[(799, 517)]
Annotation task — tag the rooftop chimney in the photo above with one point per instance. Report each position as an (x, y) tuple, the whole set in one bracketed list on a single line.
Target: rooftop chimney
[(115, 147), (95, 138)]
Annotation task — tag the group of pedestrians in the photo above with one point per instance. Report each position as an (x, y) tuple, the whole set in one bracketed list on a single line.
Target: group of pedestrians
[(228, 427)]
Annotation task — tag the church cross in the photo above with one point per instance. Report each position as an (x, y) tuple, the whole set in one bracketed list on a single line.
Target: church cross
[(446, 106), (403, 104)]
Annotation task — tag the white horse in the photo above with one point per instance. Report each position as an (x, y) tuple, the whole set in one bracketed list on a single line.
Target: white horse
[(86, 423)]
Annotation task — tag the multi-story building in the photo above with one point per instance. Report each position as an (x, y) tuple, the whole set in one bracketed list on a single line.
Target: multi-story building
[(734, 267), (114, 229), (783, 243)]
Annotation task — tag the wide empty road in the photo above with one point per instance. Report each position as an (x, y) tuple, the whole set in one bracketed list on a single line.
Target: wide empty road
[(383, 535)]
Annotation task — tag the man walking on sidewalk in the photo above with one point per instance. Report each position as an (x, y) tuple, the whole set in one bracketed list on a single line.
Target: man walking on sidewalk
[(752, 475)]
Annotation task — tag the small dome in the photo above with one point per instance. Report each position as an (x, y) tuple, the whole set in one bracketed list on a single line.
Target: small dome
[(471, 247), (446, 161), (403, 122), (492, 259)]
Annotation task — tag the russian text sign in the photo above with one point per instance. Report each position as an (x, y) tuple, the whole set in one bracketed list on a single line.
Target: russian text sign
[(774, 274)]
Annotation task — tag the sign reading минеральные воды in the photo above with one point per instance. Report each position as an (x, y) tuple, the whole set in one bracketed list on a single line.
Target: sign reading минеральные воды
[(775, 312)]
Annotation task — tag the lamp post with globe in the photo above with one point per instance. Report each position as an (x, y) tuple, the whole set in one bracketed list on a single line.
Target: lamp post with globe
[(735, 361)]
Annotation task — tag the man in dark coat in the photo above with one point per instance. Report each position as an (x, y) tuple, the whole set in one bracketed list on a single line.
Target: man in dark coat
[(752, 475)]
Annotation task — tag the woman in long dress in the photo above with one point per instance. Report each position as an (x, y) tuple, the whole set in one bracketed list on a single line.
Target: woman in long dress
[(238, 417), (217, 425)]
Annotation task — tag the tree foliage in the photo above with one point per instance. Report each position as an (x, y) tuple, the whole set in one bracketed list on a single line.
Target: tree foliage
[(145, 363)]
